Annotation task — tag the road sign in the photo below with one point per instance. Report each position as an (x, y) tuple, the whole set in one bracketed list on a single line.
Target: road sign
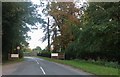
[(54, 54), (14, 55), (58, 55), (18, 47)]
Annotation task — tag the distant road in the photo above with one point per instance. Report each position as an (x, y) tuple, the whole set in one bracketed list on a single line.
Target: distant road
[(38, 66)]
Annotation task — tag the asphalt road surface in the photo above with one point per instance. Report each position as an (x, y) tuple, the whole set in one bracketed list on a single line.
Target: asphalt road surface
[(38, 66)]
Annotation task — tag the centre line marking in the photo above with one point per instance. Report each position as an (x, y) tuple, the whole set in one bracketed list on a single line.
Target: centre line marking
[(37, 61), (42, 70)]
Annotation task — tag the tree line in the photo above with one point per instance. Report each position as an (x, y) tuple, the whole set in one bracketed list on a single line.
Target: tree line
[(16, 16), (90, 31)]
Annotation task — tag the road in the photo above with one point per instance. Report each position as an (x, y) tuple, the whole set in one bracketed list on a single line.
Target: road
[(38, 66)]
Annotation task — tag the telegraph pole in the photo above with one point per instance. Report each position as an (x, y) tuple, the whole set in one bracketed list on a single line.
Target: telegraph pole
[(48, 31)]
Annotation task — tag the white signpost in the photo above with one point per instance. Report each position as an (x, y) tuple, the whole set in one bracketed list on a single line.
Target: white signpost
[(54, 54), (14, 55), (58, 55)]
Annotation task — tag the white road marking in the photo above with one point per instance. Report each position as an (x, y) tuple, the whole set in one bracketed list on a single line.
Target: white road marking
[(37, 61), (42, 70)]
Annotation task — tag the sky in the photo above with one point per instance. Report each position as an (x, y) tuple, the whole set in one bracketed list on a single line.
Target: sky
[(36, 35), (36, 39)]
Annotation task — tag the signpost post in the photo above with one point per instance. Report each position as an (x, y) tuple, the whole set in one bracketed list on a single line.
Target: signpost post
[(16, 55)]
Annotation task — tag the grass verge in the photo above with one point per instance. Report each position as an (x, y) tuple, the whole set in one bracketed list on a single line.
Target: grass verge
[(86, 66), (12, 61)]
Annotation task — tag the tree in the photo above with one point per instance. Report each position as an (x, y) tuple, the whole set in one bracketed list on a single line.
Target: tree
[(16, 16), (92, 33), (65, 16), (100, 32), (37, 49)]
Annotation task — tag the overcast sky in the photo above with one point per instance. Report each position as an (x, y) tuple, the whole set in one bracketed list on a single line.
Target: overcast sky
[(36, 35)]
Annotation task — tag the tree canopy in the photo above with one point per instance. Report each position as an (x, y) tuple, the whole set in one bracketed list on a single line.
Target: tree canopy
[(15, 18), (99, 36), (91, 31)]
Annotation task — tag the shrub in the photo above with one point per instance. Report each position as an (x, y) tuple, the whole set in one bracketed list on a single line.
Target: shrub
[(104, 63), (44, 54)]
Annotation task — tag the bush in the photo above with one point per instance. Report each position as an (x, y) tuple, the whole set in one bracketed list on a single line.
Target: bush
[(44, 54), (105, 63), (112, 64)]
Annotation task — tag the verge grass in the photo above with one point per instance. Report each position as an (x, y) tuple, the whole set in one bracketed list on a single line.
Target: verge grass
[(12, 61), (86, 66)]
